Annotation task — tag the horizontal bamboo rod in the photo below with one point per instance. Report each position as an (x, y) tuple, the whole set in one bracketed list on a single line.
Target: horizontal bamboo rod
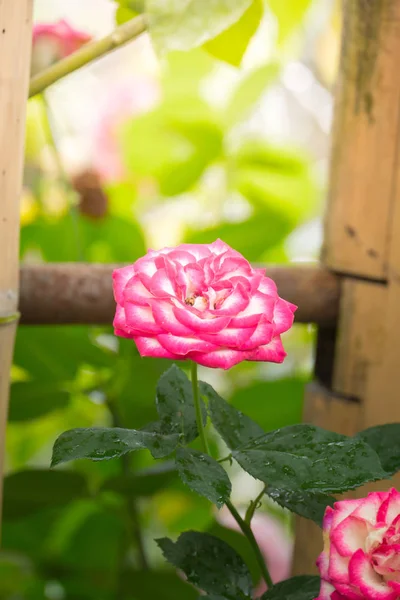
[(82, 293)]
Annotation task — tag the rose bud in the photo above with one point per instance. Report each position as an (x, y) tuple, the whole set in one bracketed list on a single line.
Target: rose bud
[(54, 41)]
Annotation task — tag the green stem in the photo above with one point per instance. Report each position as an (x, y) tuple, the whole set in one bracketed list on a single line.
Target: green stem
[(199, 416), (254, 505), (245, 527), (89, 52)]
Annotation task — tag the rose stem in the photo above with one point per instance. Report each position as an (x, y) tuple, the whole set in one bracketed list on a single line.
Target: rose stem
[(89, 52), (246, 529)]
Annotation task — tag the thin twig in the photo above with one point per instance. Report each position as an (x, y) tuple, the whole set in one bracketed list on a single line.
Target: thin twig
[(88, 53)]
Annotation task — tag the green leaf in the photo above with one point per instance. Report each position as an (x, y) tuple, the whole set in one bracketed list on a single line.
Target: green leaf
[(203, 475), (277, 181), (385, 440), (127, 10), (156, 584), (103, 443), (232, 43), (186, 24), (175, 404), (302, 587), (188, 136), (274, 404), (311, 505), (54, 354), (310, 458), (33, 399), (142, 484), (240, 543), (290, 15), (27, 492), (67, 239), (209, 563), (132, 385), (281, 196), (249, 92), (235, 428), (85, 548), (252, 237)]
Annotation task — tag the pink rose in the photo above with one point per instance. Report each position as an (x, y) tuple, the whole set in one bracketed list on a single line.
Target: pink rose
[(361, 556), (202, 302), (274, 542), (54, 41)]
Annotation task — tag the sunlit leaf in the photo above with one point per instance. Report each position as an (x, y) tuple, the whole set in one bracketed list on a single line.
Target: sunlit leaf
[(186, 24), (251, 237), (231, 44), (290, 15), (127, 10), (249, 92), (76, 237), (188, 140)]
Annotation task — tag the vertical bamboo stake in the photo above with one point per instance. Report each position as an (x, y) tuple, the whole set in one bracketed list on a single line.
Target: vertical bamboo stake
[(15, 47), (362, 240)]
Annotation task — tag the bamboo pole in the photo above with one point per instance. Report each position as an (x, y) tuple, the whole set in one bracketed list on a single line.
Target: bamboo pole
[(362, 241), (15, 48), (82, 293)]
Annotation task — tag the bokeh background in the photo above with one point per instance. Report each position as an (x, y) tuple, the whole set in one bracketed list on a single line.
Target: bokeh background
[(134, 152)]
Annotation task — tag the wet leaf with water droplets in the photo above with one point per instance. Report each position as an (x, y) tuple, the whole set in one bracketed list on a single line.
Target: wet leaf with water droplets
[(203, 475), (302, 587), (385, 440), (310, 505), (104, 443), (209, 564), (175, 404), (310, 458), (234, 427)]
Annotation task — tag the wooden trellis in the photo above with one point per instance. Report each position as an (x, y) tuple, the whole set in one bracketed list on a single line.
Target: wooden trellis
[(356, 291), (362, 241)]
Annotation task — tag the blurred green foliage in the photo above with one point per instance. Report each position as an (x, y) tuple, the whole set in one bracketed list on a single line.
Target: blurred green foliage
[(72, 533)]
